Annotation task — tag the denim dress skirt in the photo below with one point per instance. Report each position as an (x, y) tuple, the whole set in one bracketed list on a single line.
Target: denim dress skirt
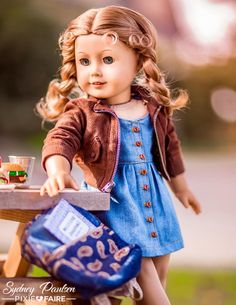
[(141, 210)]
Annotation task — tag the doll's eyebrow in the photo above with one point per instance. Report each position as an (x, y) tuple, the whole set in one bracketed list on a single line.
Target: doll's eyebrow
[(81, 52)]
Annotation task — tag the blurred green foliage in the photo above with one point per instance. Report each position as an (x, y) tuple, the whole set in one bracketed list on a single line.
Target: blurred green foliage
[(199, 123), (26, 52), (202, 287), (194, 287), (28, 61)]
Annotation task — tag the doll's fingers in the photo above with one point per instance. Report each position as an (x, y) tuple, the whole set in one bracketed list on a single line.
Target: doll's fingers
[(196, 206), (47, 190), (50, 188), (197, 210), (54, 187), (185, 202), (42, 190), (73, 184), (61, 184)]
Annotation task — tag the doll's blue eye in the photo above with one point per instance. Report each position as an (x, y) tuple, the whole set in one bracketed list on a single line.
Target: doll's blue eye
[(84, 61), (108, 60)]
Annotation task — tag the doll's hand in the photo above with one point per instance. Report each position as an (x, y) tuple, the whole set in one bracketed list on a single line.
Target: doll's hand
[(58, 182), (187, 198), (59, 177), (180, 188)]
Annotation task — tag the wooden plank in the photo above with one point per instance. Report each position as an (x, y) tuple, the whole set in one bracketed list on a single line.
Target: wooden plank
[(30, 199), (15, 265), (18, 215), (3, 258)]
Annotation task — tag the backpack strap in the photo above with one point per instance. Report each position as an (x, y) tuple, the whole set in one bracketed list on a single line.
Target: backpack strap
[(130, 289), (135, 291), (101, 299)]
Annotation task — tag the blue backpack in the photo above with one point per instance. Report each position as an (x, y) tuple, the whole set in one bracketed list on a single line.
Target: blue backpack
[(74, 246)]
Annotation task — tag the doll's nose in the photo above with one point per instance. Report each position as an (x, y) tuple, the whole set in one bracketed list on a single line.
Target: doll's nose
[(95, 70), (96, 73)]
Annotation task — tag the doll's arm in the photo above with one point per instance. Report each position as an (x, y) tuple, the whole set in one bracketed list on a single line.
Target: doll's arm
[(175, 167), (66, 137), (174, 159), (181, 190), (60, 146), (59, 177)]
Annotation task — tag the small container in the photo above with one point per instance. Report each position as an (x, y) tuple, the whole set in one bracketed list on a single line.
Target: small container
[(27, 164)]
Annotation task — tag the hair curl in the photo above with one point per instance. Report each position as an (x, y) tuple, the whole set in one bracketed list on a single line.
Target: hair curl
[(122, 23)]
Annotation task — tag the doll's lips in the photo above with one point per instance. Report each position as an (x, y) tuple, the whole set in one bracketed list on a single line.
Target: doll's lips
[(98, 84)]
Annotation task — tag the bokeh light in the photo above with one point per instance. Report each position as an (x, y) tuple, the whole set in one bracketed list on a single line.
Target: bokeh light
[(207, 30), (223, 102)]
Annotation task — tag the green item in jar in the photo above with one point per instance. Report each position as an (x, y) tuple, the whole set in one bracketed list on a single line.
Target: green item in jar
[(17, 173)]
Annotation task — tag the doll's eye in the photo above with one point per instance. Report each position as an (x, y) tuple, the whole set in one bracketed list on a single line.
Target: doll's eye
[(108, 60), (84, 61)]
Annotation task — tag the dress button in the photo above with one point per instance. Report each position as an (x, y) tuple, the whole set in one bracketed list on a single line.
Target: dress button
[(142, 157), (149, 219), (147, 204), (146, 187), (138, 143), (154, 234), (135, 129), (143, 172)]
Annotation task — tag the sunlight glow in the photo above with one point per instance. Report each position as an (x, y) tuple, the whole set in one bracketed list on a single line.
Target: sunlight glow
[(209, 22)]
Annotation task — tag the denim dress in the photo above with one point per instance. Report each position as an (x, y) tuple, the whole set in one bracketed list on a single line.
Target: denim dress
[(141, 209)]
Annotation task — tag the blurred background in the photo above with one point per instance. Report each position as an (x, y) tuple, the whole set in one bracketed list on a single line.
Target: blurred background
[(197, 52)]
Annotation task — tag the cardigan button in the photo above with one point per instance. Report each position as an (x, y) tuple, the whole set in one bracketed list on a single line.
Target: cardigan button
[(146, 187), (147, 204), (143, 172), (153, 234), (142, 157), (135, 129), (149, 219), (138, 143)]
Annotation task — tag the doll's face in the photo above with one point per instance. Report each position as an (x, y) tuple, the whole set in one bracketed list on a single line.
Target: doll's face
[(105, 69)]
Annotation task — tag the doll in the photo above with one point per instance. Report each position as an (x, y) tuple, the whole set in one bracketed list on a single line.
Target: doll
[(119, 130)]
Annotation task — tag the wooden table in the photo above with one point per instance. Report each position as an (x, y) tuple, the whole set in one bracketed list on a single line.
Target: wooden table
[(22, 205)]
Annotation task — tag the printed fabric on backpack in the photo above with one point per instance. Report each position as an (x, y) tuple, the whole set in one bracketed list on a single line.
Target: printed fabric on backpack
[(74, 246)]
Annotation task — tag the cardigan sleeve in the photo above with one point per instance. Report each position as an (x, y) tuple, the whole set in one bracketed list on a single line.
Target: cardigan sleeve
[(174, 158), (66, 137)]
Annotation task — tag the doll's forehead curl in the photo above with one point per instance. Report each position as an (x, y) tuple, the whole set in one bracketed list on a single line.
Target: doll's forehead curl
[(109, 37), (136, 41)]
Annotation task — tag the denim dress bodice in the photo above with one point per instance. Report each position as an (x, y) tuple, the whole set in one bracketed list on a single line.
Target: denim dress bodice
[(141, 209), (133, 136)]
